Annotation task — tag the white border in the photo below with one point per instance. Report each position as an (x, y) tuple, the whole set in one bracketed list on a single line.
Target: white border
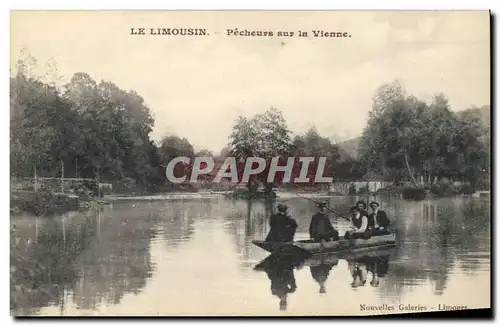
[(179, 5)]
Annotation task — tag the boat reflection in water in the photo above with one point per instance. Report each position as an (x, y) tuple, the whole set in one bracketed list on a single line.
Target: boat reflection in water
[(373, 264)]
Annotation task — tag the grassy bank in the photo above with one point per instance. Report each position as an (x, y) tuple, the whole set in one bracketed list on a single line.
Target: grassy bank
[(438, 190)]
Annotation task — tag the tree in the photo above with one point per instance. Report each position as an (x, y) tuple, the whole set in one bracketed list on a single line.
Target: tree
[(204, 153), (311, 144), (405, 138), (264, 135), (95, 130), (34, 116)]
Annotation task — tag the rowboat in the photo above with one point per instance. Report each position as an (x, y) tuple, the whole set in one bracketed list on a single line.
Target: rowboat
[(309, 247)]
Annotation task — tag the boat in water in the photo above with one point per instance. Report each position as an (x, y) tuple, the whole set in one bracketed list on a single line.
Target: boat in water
[(309, 247)]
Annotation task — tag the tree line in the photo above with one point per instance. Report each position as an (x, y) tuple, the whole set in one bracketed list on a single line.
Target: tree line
[(90, 129), (425, 143)]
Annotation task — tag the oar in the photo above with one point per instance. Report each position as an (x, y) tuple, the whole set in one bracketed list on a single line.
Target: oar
[(331, 210)]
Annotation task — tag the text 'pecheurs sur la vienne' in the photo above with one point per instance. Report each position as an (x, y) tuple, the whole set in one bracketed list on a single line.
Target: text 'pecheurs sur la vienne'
[(237, 32)]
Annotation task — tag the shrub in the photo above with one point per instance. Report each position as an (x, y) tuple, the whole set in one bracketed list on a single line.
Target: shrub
[(352, 189), (412, 193)]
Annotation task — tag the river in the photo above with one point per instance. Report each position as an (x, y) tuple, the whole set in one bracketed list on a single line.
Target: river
[(195, 257)]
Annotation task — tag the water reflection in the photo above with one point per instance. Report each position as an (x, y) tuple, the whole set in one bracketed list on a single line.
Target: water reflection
[(280, 271), (375, 264), (116, 262), (123, 255), (97, 259), (43, 264), (320, 274)]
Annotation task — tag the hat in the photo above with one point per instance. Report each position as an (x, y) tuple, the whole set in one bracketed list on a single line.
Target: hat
[(374, 203), (321, 204), (282, 207), (354, 209)]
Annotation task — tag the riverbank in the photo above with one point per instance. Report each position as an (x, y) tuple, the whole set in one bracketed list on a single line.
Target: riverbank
[(207, 195), (44, 203), (169, 196)]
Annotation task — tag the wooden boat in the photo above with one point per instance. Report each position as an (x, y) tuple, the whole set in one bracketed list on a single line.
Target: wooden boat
[(309, 247)]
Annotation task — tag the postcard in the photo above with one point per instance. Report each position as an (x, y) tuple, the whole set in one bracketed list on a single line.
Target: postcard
[(249, 163)]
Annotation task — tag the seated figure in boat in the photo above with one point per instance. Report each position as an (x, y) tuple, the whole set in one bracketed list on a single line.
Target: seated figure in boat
[(321, 229), (359, 225), (378, 221), (361, 205), (282, 226)]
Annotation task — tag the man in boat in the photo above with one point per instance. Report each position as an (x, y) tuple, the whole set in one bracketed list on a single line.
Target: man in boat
[(378, 221), (321, 229), (282, 226), (359, 225)]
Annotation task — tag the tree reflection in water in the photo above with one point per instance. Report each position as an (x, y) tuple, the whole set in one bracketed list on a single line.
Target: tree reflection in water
[(43, 262), (96, 258), (118, 262), (437, 234), (92, 259)]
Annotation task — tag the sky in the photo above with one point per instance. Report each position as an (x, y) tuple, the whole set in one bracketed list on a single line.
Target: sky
[(196, 86)]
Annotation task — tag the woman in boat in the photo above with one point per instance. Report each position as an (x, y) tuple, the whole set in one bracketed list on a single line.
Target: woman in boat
[(361, 204), (359, 225), (321, 229), (378, 221), (282, 226)]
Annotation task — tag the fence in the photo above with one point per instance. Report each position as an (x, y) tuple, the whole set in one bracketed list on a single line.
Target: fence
[(57, 185), (357, 186)]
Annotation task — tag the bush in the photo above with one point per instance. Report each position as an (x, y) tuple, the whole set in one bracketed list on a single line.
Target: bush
[(244, 193), (389, 190), (352, 189), (412, 193), (363, 190), (106, 190), (44, 203), (442, 189), (466, 189)]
